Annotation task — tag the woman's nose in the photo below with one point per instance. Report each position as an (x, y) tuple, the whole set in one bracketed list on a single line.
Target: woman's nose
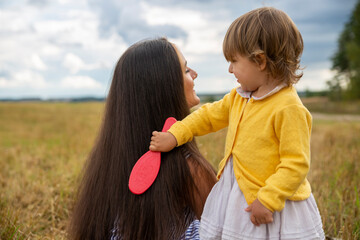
[(193, 74)]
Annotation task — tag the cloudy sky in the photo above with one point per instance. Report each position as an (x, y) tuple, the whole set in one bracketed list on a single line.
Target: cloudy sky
[(65, 48)]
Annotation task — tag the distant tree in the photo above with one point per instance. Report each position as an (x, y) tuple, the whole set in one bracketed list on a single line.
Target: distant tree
[(346, 61), (336, 92), (308, 93)]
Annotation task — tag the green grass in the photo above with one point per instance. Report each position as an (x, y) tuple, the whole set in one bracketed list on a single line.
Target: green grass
[(43, 147)]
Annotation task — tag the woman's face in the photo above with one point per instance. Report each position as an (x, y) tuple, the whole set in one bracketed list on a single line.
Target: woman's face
[(189, 76)]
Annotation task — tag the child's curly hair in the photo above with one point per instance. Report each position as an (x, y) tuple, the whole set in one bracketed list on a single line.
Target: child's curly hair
[(271, 32)]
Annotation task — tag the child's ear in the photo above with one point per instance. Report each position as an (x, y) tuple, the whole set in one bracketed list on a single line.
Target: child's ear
[(261, 61)]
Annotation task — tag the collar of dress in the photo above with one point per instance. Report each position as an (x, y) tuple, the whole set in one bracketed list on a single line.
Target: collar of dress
[(248, 94)]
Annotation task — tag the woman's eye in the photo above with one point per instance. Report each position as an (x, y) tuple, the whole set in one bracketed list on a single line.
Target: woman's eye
[(187, 70)]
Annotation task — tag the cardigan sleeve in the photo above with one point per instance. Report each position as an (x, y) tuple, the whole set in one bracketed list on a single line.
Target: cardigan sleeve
[(292, 127), (211, 117)]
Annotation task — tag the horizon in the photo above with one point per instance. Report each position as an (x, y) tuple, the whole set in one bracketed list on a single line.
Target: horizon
[(100, 98)]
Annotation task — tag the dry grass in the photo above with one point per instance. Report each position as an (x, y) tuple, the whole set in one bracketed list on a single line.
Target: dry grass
[(43, 147), (335, 176), (42, 150), (324, 105)]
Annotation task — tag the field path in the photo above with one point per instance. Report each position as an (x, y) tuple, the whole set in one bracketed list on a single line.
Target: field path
[(336, 117)]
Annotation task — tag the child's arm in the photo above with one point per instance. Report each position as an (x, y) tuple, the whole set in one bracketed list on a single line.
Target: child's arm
[(209, 118), (292, 126)]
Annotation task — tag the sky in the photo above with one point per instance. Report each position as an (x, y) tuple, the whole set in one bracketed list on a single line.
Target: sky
[(65, 48)]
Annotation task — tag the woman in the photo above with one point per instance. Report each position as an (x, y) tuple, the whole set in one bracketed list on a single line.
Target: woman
[(151, 82)]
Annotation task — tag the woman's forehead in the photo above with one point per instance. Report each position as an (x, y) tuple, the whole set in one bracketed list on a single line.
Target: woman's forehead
[(180, 55)]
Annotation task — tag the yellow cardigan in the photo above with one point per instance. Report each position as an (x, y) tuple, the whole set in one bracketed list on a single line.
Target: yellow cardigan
[(269, 141)]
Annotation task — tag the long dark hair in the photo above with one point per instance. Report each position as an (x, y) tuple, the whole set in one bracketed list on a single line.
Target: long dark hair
[(147, 87)]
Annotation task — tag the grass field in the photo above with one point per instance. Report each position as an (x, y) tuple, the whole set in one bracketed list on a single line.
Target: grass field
[(323, 105), (43, 147)]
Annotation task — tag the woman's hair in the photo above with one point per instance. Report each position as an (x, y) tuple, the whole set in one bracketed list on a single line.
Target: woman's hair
[(147, 87), (271, 32)]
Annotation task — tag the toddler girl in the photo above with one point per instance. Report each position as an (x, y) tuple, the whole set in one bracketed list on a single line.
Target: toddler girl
[(263, 192)]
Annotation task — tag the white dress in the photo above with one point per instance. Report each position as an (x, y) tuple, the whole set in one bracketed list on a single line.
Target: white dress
[(224, 215)]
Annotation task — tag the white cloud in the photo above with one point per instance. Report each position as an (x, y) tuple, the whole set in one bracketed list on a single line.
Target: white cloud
[(40, 40), (49, 50), (24, 79), (182, 17), (12, 23), (215, 84), (80, 82), (37, 62), (65, 2), (315, 77), (73, 63), (205, 34)]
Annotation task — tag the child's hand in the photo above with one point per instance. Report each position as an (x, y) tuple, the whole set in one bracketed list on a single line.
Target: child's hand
[(259, 213), (162, 142)]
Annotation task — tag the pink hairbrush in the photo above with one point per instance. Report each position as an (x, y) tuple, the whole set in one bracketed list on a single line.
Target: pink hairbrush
[(147, 167)]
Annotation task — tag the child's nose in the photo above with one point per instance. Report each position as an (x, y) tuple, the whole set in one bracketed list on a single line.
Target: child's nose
[(230, 68)]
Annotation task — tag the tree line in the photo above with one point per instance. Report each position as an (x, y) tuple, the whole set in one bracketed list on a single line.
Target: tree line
[(346, 61)]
